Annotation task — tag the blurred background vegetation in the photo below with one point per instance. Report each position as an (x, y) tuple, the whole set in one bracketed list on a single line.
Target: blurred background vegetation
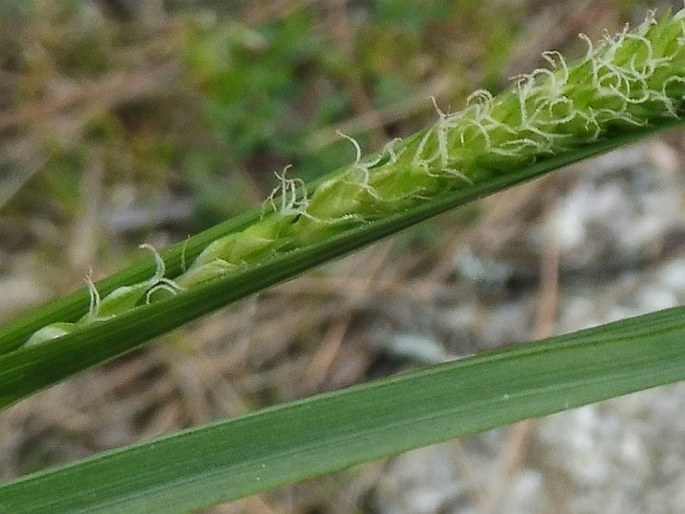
[(123, 122)]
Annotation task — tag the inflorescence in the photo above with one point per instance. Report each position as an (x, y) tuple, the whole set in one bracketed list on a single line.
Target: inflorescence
[(629, 80)]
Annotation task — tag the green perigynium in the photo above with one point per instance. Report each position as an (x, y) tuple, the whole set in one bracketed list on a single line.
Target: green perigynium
[(625, 82)]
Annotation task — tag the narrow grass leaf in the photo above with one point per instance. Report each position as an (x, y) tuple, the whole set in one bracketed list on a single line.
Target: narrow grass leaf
[(304, 439)]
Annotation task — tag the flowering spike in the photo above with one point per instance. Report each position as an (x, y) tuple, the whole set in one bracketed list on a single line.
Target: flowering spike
[(629, 80)]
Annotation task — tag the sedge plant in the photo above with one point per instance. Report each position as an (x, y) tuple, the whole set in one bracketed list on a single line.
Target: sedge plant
[(625, 87)]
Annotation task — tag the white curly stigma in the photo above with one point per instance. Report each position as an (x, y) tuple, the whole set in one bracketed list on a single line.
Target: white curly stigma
[(158, 281), (94, 305), (389, 150), (358, 165), (439, 133), (441, 128), (362, 168), (288, 192)]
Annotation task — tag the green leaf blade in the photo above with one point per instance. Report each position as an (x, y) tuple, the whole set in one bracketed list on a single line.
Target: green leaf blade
[(304, 439)]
